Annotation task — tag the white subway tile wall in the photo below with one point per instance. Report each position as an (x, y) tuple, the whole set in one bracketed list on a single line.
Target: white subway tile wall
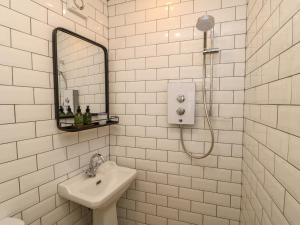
[(271, 171), (151, 43), (34, 155)]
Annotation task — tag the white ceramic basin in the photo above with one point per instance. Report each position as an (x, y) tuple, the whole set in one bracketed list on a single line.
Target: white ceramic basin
[(101, 191)]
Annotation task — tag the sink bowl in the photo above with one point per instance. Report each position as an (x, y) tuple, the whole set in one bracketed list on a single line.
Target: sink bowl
[(101, 192)]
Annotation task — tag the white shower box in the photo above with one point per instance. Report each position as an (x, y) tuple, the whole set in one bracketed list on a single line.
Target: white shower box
[(181, 103)]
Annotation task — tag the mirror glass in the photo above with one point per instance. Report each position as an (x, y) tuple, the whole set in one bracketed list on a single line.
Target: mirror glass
[(81, 75), (81, 67)]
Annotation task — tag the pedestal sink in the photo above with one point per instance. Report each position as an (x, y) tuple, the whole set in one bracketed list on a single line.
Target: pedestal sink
[(99, 193)]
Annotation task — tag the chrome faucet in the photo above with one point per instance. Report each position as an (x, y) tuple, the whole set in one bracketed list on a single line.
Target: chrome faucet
[(96, 160)]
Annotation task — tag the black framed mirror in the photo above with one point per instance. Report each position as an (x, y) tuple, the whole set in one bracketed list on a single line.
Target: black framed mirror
[(80, 72)]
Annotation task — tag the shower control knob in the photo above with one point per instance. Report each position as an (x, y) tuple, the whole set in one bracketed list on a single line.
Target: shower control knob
[(180, 98), (180, 111)]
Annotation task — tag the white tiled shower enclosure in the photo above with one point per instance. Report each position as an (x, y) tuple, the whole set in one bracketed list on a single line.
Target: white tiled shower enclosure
[(151, 43)]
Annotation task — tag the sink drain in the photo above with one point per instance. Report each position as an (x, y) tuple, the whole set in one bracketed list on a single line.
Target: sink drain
[(98, 182)]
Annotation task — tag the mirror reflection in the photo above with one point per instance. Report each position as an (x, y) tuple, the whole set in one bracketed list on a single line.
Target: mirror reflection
[(81, 79)]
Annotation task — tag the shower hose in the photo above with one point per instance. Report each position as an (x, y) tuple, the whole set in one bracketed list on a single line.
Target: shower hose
[(206, 111)]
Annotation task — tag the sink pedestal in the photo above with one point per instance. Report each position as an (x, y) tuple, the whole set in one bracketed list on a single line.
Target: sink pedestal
[(106, 216)]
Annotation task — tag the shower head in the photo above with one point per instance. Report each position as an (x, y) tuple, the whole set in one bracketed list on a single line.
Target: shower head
[(205, 23)]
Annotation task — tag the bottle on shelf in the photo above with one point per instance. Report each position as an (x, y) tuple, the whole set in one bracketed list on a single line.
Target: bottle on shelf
[(61, 112), (78, 118), (87, 116), (69, 111)]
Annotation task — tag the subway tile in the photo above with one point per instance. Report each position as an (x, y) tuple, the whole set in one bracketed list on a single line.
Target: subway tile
[(147, 27), (157, 62), (135, 17), (278, 141), (29, 43), (64, 139), (14, 20), (233, 27), (157, 13), (17, 168), (8, 114), (30, 8), (77, 149), (26, 113), (44, 207), (19, 203), (66, 167), (145, 4), (31, 78), (125, 8), (168, 49), (49, 189), (55, 215), (5, 36), (9, 190), (47, 127), (210, 220), (5, 3), (203, 5), (168, 24), (51, 157), (291, 210), (16, 132), (42, 63), (34, 146), (276, 96), (36, 179), (11, 95), (203, 208), (204, 184), (275, 189), (15, 57), (6, 75), (137, 40), (53, 5), (277, 217), (180, 60), (145, 51), (288, 176), (288, 66), (181, 9), (228, 213), (8, 152), (157, 38), (57, 20), (287, 119)]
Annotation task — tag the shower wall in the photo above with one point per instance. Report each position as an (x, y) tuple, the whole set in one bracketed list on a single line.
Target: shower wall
[(153, 42), (34, 155), (271, 164)]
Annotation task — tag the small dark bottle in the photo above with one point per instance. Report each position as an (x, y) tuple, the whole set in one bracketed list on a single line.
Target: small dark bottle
[(69, 111), (78, 118), (61, 112), (87, 116)]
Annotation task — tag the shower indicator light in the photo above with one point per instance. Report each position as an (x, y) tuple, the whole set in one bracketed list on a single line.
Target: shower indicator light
[(180, 98)]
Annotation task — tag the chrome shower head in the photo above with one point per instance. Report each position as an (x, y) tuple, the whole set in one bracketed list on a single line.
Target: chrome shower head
[(205, 23)]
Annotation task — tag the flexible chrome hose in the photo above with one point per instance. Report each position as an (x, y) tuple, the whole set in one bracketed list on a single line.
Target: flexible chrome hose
[(207, 113)]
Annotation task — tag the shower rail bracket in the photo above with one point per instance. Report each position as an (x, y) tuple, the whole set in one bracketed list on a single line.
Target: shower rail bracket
[(211, 51)]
